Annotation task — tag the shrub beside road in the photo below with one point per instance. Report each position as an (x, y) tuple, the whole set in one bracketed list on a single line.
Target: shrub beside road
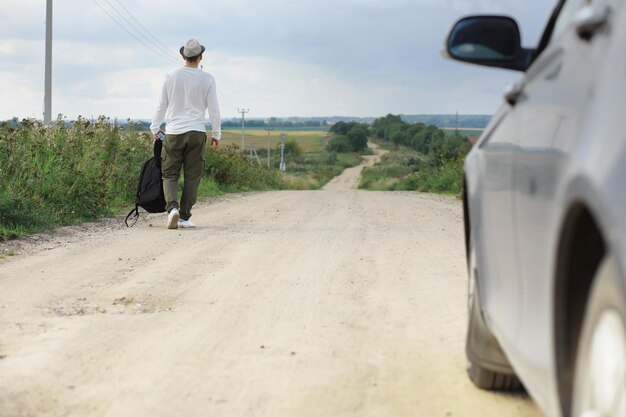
[(421, 158), (67, 174), (70, 173)]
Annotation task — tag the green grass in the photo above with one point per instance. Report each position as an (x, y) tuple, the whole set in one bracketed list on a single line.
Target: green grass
[(7, 254), (232, 171), (464, 131), (313, 170), (447, 179), (310, 141), (309, 165), (393, 167), (404, 169), (59, 175)]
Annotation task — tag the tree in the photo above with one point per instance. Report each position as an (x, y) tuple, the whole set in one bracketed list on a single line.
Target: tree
[(357, 137), (384, 127), (339, 143), (342, 128), (293, 148), (397, 138)]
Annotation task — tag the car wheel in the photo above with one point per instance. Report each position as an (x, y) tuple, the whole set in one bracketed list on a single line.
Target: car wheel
[(488, 367), (600, 378)]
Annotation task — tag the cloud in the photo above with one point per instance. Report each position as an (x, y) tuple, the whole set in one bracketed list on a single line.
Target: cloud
[(7, 49), (278, 57), (20, 96)]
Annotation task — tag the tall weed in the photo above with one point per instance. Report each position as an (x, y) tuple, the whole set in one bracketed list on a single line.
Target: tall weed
[(403, 169), (60, 174), (63, 175), (233, 171)]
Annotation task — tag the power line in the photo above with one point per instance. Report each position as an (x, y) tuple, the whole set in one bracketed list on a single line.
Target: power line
[(148, 45), (222, 98), (163, 49), (142, 26), (158, 52)]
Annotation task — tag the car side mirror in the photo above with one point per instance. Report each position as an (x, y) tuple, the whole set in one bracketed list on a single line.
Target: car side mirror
[(492, 41)]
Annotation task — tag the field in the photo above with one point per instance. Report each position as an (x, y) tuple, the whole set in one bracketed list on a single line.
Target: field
[(463, 131), (310, 141)]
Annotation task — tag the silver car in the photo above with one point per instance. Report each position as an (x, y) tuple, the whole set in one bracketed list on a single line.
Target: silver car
[(545, 211)]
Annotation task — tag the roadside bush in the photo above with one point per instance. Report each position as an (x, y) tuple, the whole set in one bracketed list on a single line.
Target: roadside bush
[(348, 137), (232, 170), (408, 170), (392, 168), (293, 148), (339, 143), (447, 179), (357, 137), (331, 158), (439, 167), (63, 175), (315, 169), (68, 173)]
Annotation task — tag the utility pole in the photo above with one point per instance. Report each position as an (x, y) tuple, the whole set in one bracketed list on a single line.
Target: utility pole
[(283, 136), (243, 126), (47, 99), (253, 151), (269, 130)]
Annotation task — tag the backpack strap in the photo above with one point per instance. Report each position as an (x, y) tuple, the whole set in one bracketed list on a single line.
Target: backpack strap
[(158, 146), (135, 217)]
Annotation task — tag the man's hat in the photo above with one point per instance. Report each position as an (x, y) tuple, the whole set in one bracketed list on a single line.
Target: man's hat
[(191, 49)]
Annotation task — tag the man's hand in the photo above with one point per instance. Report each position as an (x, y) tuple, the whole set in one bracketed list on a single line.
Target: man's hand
[(156, 135), (214, 144)]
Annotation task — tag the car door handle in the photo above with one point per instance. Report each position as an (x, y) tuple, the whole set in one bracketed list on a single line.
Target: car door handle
[(590, 19), (513, 92)]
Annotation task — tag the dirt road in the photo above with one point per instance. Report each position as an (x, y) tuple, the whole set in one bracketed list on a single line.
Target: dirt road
[(349, 179), (323, 303)]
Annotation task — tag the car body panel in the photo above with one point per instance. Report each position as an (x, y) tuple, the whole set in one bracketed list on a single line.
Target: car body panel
[(563, 143), (556, 97)]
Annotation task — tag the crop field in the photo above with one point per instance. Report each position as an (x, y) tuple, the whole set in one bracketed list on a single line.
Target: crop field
[(464, 131), (310, 141)]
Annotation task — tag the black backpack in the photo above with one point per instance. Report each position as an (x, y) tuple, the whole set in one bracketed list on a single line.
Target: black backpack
[(150, 195)]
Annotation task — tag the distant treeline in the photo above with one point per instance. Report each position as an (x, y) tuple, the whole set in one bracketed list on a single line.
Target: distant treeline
[(429, 140), (275, 123), (449, 120), (304, 123), (234, 123)]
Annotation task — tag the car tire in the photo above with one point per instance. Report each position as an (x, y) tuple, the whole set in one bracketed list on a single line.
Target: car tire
[(600, 375), (488, 368)]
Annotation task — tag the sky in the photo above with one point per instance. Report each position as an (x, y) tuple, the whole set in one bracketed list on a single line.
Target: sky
[(277, 58)]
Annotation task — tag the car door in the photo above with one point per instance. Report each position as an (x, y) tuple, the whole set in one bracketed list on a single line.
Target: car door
[(555, 98), (494, 231)]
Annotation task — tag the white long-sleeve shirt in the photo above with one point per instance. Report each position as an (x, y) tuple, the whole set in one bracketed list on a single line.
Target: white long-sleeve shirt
[(186, 96)]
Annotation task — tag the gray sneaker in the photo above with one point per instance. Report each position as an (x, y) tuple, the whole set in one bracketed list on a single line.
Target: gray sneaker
[(172, 219), (185, 224)]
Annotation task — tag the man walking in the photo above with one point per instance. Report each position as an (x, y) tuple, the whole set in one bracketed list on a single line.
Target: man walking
[(187, 94)]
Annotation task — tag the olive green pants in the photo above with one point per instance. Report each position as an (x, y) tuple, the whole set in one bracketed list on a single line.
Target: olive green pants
[(184, 151)]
